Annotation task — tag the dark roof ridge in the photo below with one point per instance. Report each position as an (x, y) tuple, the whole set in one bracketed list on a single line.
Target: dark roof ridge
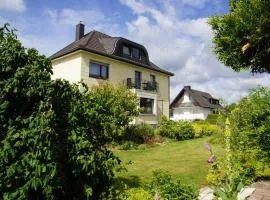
[(202, 92), (90, 37)]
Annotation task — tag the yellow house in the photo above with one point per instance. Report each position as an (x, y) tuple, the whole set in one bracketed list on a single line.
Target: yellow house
[(96, 56)]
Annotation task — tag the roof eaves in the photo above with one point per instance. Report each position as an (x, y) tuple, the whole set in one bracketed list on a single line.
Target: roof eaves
[(177, 98)]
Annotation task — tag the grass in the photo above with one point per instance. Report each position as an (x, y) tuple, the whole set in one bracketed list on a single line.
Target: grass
[(185, 159)]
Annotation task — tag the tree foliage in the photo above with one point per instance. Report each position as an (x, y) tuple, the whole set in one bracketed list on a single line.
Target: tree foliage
[(241, 38), (52, 134)]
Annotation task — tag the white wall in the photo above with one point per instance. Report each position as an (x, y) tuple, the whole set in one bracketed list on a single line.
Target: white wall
[(186, 98), (191, 113)]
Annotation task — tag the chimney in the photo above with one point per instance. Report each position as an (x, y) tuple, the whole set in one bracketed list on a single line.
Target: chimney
[(187, 87), (79, 31)]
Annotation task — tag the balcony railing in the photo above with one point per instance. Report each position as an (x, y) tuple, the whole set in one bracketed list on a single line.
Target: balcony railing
[(141, 84)]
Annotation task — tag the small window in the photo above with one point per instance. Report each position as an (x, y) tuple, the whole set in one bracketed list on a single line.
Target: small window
[(126, 51), (146, 105), (98, 71), (104, 71), (94, 69), (135, 53)]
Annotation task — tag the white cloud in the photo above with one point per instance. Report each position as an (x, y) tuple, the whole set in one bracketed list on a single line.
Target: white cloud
[(137, 6), (45, 45), (69, 16), (195, 3), (183, 46), (13, 5), (66, 19)]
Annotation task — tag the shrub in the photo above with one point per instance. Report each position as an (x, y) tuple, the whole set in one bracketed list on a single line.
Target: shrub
[(121, 191), (136, 194), (128, 145), (161, 183), (150, 140), (180, 130), (169, 188), (250, 124), (205, 129), (212, 118), (139, 133)]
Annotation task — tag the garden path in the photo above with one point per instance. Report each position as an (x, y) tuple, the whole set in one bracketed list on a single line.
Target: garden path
[(257, 191)]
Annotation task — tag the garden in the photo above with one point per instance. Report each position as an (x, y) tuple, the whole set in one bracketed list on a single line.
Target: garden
[(237, 139)]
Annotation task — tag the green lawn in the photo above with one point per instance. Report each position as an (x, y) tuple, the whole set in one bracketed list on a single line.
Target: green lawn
[(186, 160)]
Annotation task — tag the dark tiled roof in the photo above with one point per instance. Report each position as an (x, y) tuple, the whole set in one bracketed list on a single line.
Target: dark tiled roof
[(100, 43), (200, 98)]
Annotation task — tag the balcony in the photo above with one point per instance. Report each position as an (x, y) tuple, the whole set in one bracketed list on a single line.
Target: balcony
[(141, 85)]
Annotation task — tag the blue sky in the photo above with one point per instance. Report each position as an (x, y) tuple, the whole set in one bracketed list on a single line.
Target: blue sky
[(175, 33)]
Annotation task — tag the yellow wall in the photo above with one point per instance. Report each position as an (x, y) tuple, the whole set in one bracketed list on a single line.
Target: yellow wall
[(76, 67), (68, 67)]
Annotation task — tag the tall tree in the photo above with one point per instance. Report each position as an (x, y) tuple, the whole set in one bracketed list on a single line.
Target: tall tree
[(242, 37), (52, 135)]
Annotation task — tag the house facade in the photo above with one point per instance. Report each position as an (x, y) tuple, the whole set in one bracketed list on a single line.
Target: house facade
[(95, 57), (192, 104)]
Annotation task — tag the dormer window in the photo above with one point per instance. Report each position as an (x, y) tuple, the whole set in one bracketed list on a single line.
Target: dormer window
[(126, 51), (214, 101), (142, 56), (135, 53)]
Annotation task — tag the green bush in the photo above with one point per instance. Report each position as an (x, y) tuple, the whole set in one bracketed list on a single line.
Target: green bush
[(136, 194), (180, 130), (138, 133), (169, 188), (121, 191), (250, 124), (205, 129), (161, 183), (212, 118), (128, 145)]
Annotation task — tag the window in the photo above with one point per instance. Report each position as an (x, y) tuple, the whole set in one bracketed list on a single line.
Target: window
[(152, 85), (142, 56), (214, 101), (146, 105), (135, 53), (152, 79), (98, 71), (138, 80), (171, 112), (126, 51)]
